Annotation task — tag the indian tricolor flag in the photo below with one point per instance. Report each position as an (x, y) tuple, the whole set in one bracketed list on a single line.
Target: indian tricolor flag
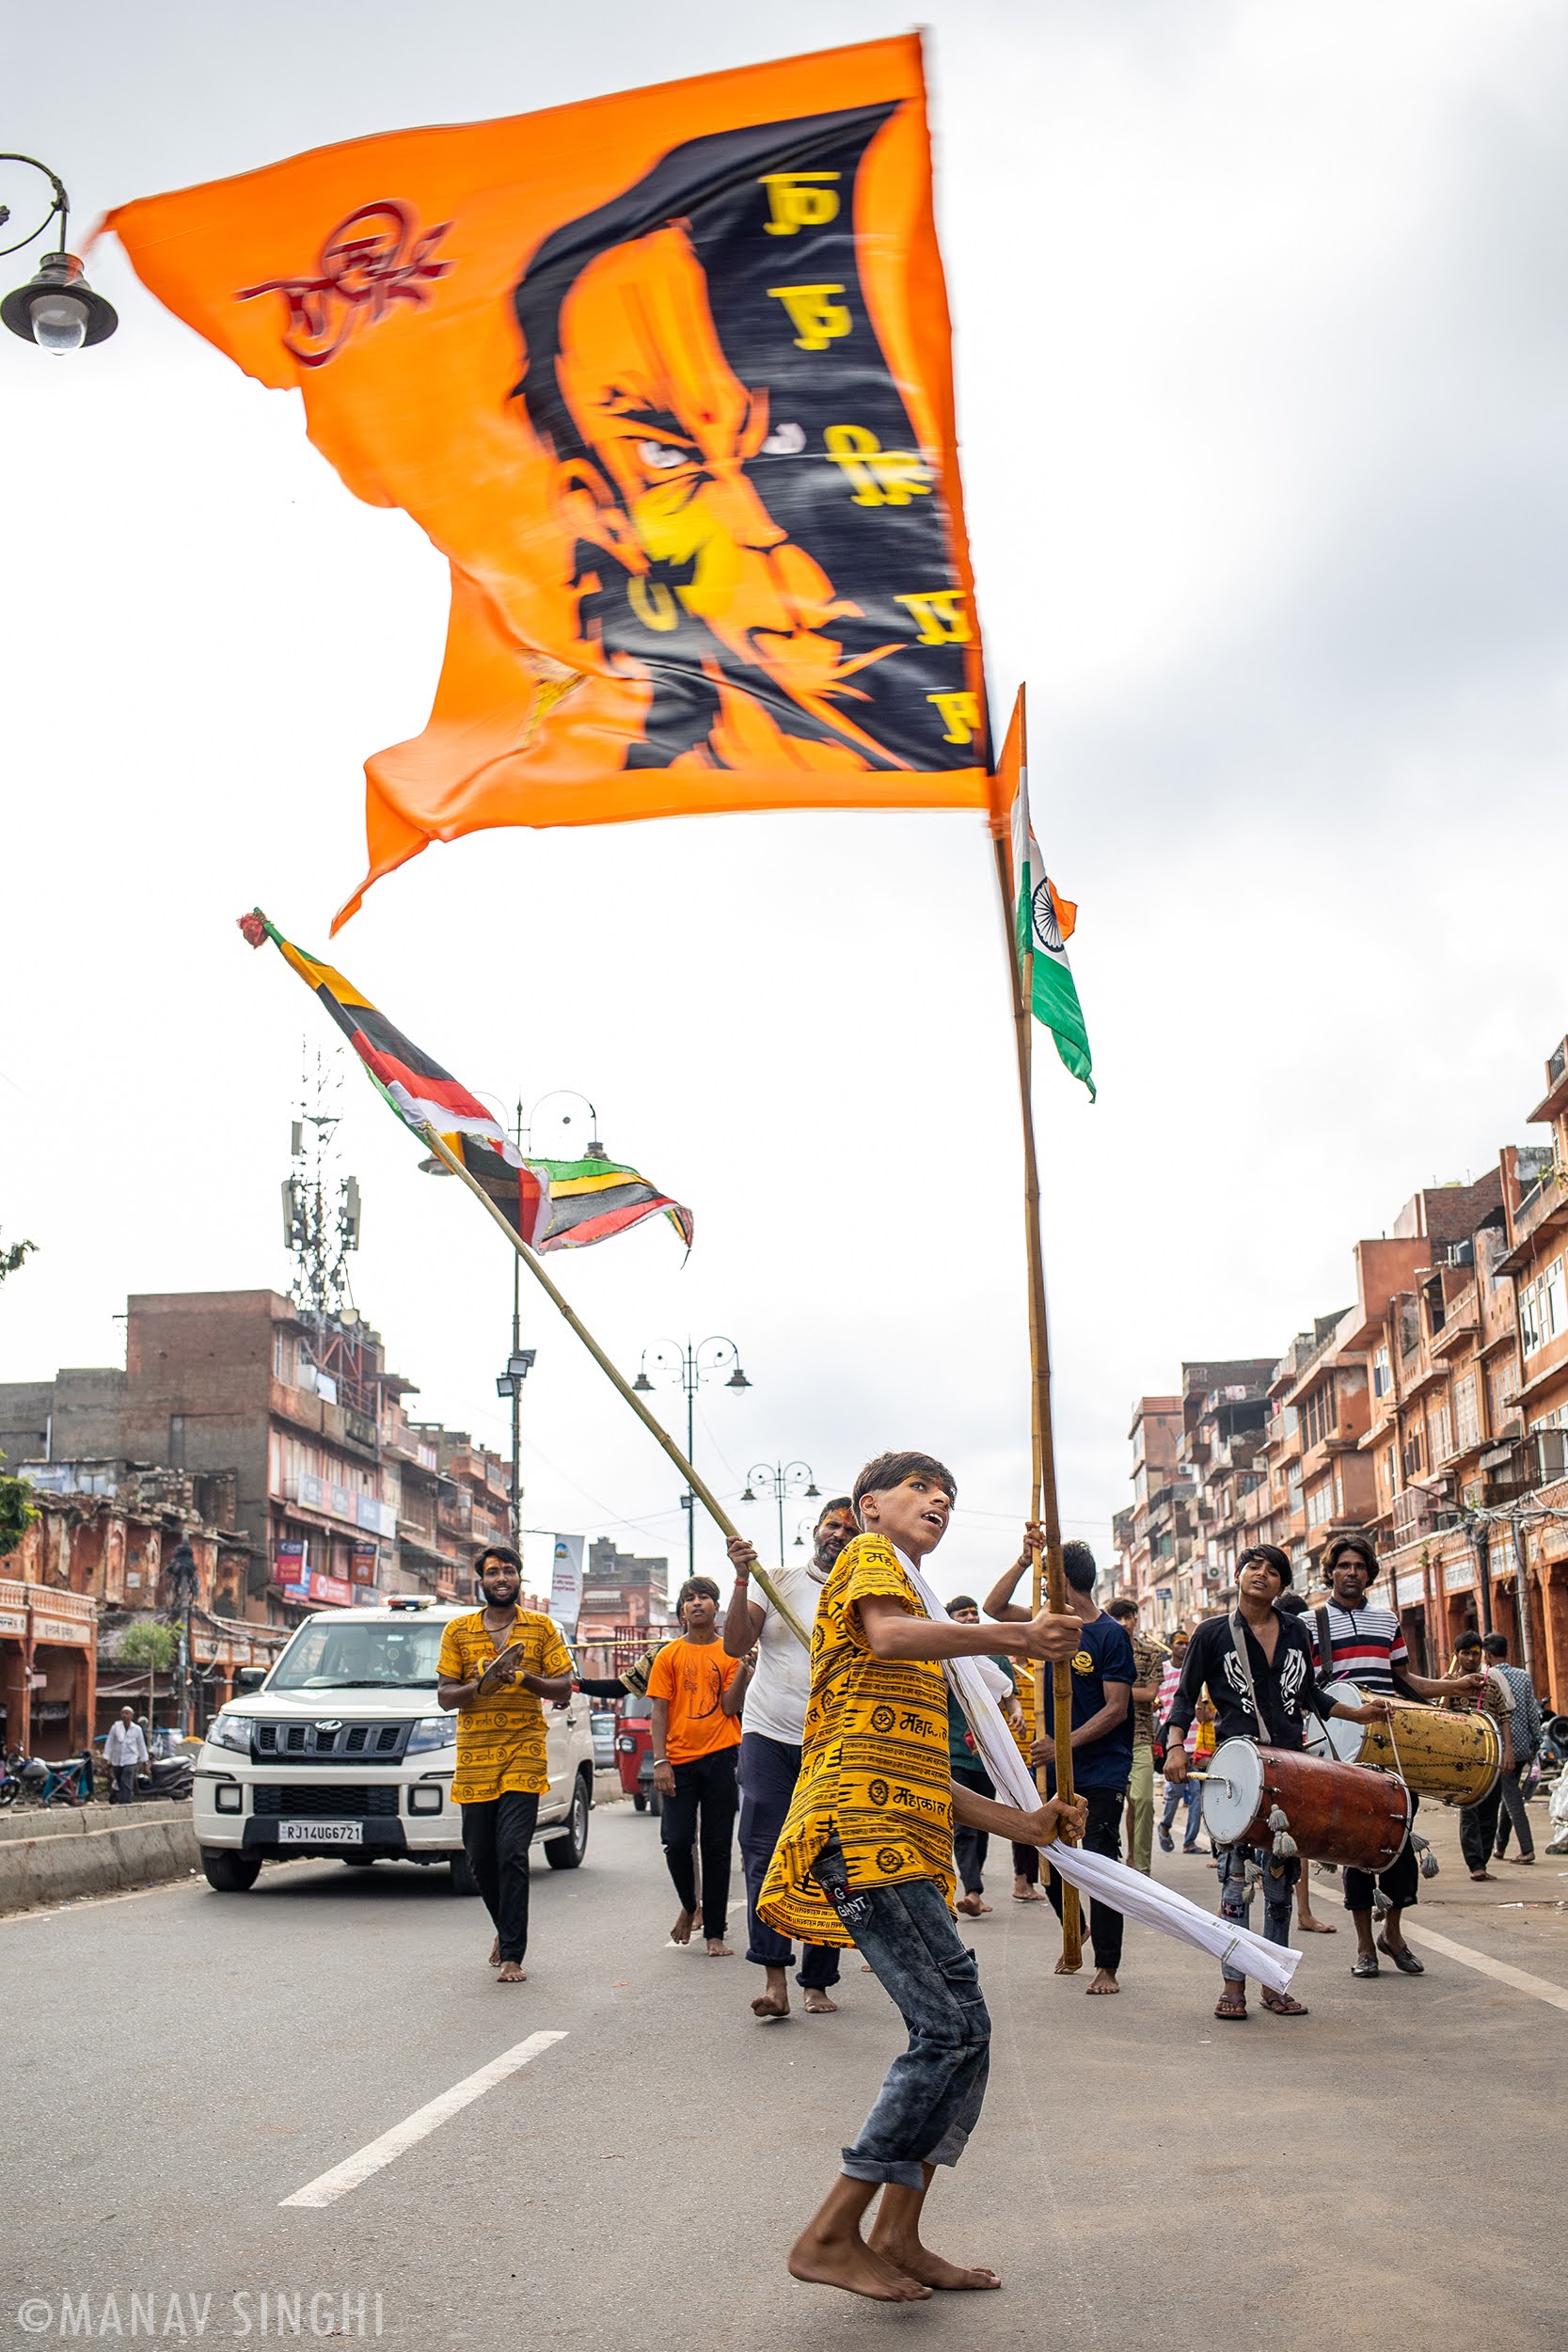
[(1043, 921)]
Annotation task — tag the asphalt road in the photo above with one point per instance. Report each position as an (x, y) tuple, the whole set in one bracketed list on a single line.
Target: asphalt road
[(180, 2062)]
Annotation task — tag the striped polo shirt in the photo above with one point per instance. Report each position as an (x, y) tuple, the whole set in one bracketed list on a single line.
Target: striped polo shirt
[(1367, 1645)]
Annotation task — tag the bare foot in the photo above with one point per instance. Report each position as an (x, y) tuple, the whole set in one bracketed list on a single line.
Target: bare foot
[(818, 2003), (719, 1949), (770, 2006), (972, 1907), (1104, 1980), (867, 1969), (851, 2264), (917, 2262), (1315, 1926), (510, 1973), (495, 1953), (681, 1932), (1024, 1893)]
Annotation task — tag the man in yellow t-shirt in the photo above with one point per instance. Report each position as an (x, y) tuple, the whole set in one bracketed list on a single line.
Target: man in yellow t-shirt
[(865, 1857), (495, 1667)]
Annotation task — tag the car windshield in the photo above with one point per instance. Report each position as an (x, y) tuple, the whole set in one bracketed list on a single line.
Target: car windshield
[(398, 1654)]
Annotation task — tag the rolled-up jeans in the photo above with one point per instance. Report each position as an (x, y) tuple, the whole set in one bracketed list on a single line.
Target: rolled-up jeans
[(930, 2098), (1279, 1876)]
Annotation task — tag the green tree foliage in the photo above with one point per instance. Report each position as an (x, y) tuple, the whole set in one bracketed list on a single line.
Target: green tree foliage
[(12, 1254), (148, 1643), (17, 1511)]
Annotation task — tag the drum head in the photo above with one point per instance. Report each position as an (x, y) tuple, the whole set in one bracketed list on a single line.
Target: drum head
[(1234, 1790), (1338, 1740)]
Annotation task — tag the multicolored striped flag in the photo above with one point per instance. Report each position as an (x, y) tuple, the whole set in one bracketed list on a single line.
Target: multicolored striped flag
[(551, 1204), (1043, 922)]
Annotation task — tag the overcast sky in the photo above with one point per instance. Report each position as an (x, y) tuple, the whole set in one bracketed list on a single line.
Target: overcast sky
[(1264, 409)]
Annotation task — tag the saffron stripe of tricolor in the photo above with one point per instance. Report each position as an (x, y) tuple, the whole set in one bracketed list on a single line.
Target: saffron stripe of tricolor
[(328, 2187)]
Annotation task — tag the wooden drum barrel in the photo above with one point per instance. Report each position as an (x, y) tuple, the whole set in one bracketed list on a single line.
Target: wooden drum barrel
[(1456, 1758), (1334, 1812)]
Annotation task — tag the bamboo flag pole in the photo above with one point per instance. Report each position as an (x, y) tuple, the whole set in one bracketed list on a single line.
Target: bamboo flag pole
[(1043, 1505), (709, 1503)]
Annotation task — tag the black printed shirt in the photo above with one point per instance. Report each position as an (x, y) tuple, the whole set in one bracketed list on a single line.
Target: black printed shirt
[(1288, 1690)]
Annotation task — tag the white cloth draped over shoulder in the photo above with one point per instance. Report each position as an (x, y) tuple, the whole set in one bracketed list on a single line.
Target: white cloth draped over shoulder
[(1095, 1875)]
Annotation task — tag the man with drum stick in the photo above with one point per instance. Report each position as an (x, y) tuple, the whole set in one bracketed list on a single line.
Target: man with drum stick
[(1256, 1666), (1366, 1647)]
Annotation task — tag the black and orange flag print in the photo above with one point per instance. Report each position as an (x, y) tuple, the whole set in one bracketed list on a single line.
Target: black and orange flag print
[(667, 378)]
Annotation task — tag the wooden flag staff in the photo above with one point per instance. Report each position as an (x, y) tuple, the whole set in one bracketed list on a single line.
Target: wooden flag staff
[(1043, 1503), (709, 1503)]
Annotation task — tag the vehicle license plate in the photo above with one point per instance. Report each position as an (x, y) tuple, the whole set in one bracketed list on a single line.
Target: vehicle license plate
[(321, 1832)]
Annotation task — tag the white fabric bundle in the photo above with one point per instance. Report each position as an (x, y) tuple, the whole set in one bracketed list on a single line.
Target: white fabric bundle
[(1095, 1875)]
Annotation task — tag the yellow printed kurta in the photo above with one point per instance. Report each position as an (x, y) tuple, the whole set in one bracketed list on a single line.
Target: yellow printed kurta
[(501, 1743), (874, 1764)]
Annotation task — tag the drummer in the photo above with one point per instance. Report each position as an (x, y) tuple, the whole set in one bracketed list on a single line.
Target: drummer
[(1255, 1651), (1366, 1647)]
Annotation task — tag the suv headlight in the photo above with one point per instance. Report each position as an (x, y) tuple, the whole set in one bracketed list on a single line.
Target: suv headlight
[(434, 1731), (231, 1731)]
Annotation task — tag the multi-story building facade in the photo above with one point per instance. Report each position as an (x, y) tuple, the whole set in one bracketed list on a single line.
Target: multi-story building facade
[(624, 1600), (1433, 1414), (286, 1458), (1155, 1433)]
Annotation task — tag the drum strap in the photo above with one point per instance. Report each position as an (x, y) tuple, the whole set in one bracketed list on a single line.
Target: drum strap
[(1238, 1642), (1325, 1662)]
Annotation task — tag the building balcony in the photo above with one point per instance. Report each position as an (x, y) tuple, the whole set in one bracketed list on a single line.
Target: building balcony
[(1542, 1213), (1459, 1327)]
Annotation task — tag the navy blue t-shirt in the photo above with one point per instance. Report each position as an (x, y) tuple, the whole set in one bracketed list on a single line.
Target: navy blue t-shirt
[(1104, 1655)]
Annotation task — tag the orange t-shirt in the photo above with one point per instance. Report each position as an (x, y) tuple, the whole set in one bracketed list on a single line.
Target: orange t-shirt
[(693, 1676)]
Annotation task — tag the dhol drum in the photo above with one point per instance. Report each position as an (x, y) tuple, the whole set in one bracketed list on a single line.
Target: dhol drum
[(1334, 1737), (1334, 1812), (1458, 1759)]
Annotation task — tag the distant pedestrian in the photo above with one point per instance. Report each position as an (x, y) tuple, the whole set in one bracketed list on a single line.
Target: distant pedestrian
[(767, 1763), (1103, 1678), (1525, 1732), (125, 1753), (1478, 1823), (697, 1689), (495, 1666), (1150, 1658)]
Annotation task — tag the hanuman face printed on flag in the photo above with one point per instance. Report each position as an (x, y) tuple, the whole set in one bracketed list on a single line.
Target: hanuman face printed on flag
[(748, 524)]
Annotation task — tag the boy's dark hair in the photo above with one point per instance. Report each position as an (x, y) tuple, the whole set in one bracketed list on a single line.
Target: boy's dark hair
[(839, 1503), (497, 1552), (1126, 1610), (1495, 1644), (963, 1600), (1292, 1604), (1078, 1567), (695, 1584), (1271, 1557), (1469, 1639), (891, 1469), (1360, 1545)]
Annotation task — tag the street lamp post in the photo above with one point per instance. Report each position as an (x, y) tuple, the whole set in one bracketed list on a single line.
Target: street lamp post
[(521, 1360), (781, 1479), (57, 309), (689, 1365)]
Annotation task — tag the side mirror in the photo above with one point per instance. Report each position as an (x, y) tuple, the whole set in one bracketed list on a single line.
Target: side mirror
[(250, 1677)]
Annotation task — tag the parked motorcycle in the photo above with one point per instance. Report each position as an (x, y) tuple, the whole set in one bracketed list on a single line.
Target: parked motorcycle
[(1552, 1755)]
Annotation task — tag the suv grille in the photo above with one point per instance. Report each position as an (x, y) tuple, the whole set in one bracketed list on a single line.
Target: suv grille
[(325, 1803), (306, 1743)]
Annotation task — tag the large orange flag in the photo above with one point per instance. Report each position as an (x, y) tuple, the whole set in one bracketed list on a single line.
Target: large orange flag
[(667, 378)]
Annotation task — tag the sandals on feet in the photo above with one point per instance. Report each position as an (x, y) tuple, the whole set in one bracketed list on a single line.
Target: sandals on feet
[(1365, 1965), (1284, 2005), (1231, 2008)]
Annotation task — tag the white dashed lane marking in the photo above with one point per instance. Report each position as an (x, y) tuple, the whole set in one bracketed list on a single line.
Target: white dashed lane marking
[(328, 2187)]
